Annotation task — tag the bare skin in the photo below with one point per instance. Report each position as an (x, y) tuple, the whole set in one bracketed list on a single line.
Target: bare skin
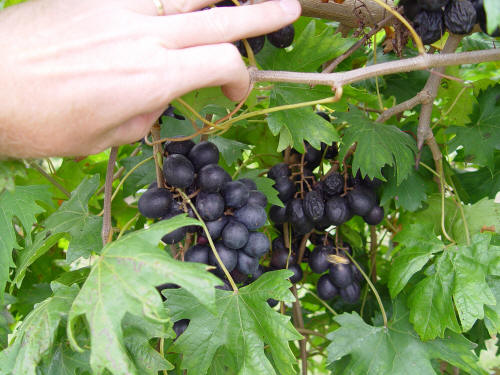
[(81, 76)]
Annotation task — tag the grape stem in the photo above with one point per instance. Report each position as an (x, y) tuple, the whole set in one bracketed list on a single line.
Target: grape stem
[(106, 232), (210, 241), (299, 322), (372, 287)]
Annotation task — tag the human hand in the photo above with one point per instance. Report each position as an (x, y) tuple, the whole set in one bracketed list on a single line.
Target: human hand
[(80, 76)]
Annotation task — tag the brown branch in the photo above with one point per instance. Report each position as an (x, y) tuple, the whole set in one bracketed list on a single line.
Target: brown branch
[(340, 79), (305, 331), (120, 171), (421, 97), (108, 191), (50, 179), (302, 247), (299, 323)]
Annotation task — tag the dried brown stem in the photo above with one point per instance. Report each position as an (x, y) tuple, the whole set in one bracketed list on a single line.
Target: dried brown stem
[(421, 97), (120, 171), (302, 247)]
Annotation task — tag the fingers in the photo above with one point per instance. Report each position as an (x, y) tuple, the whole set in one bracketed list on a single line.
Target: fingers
[(227, 24), (133, 130), (148, 7), (207, 66)]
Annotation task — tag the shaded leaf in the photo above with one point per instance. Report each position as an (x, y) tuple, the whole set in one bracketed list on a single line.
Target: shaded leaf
[(409, 194), (230, 150)]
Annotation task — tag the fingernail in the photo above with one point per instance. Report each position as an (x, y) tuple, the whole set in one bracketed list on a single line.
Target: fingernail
[(291, 7)]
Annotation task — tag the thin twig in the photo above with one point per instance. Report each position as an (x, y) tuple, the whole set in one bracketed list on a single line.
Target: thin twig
[(120, 171), (50, 179), (306, 331), (373, 253), (158, 154), (299, 323), (108, 190)]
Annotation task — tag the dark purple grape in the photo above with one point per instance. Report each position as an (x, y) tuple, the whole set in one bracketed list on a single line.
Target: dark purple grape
[(340, 274), (432, 5), (279, 244), (238, 277), (178, 171), (279, 170), (250, 184), (210, 206), (277, 214), (258, 198), (258, 273), (247, 265), (460, 17), (257, 245), (411, 8), (313, 205), (211, 178), (356, 274), (180, 326), (235, 235), (337, 210), (161, 287), (351, 293), (176, 235), (215, 227), (225, 286), (318, 261), (256, 44), (285, 188), (283, 37), (375, 216), (333, 184), (229, 257), (204, 153), (324, 115), (325, 288), (323, 223), (429, 26), (312, 156), (279, 258), (361, 200), (155, 203), (272, 302), (297, 217), (297, 273), (179, 147), (252, 215), (331, 151), (235, 194), (198, 254)]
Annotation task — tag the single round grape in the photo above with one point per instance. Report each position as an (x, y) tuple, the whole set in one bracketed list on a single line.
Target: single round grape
[(256, 44), (356, 273), (250, 184), (176, 235), (296, 216), (215, 227), (180, 326), (178, 171), (411, 8), (340, 274), (235, 194), (285, 188), (252, 215), (313, 205), (279, 258), (460, 17), (318, 261), (351, 293), (229, 257), (258, 273), (277, 214), (198, 254), (337, 210), (325, 288), (235, 235), (210, 206), (297, 273), (179, 147), (279, 244), (272, 302), (312, 156), (283, 37), (429, 25), (155, 203), (211, 178), (258, 198), (279, 170), (333, 184), (361, 200), (238, 276), (247, 265), (257, 245), (375, 216), (324, 115), (204, 153)]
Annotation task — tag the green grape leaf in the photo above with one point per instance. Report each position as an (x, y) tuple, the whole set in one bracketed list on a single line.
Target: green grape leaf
[(143, 175), (230, 150), (457, 280), (123, 280), (377, 145), (295, 126), (481, 137), (201, 98), (372, 350), (35, 337), (493, 12), (21, 204), (243, 324), (492, 312), (64, 361), (409, 194), (9, 170), (481, 215), (73, 217), (313, 46), (419, 245)]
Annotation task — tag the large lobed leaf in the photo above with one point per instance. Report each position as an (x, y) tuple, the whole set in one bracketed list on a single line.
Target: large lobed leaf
[(395, 350), (243, 324), (377, 145), (122, 281), (36, 335)]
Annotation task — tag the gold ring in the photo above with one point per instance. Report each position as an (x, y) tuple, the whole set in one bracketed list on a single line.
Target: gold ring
[(159, 7)]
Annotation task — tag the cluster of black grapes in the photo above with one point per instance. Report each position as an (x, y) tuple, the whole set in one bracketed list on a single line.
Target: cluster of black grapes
[(432, 17), (314, 204), (233, 211)]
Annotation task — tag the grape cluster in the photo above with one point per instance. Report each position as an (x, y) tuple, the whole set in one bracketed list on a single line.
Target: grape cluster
[(233, 211), (312, 204), (431, 17)]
